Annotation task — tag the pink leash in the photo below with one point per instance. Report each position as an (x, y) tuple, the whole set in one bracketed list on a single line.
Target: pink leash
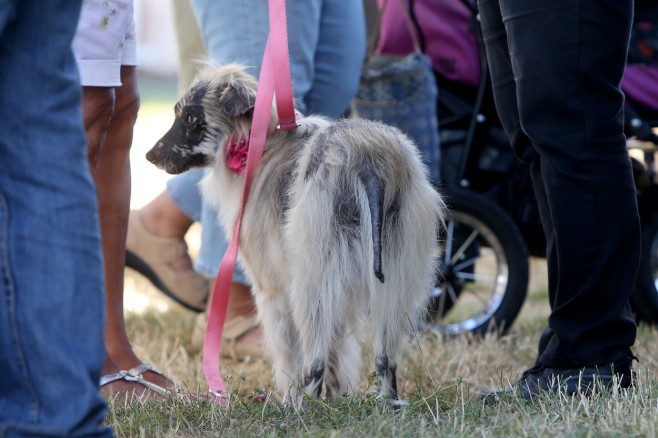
[(274, 75)]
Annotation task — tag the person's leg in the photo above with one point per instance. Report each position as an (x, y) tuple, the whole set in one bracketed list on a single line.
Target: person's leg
[(567, 67), (114, 185), (190, 46), (327, 46), (248, 22), (326, 42), (169, 216), (335, 57), (51, 326), (234, 32), (108, 116), (156, 244), (104, 46)]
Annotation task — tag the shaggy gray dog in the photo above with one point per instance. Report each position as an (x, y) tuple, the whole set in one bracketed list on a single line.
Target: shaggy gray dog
[(340, 229)]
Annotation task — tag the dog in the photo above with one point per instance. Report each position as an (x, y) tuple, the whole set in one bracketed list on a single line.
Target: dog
[(339, 230)]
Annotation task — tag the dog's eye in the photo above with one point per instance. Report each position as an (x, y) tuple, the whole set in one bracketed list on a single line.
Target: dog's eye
[(191, 119)]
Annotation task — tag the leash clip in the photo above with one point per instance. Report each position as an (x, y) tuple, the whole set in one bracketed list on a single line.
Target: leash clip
[(287, 124)]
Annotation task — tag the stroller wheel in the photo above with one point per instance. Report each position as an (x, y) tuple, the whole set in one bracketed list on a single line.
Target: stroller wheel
[(483, 279)]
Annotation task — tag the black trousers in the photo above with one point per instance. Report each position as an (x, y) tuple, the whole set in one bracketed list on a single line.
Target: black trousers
[(556, 66)]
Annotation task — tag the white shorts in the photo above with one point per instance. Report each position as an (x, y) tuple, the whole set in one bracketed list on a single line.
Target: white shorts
[(104, 41)]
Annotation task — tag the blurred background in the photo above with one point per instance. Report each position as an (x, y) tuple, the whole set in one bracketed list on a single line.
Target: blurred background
[(157, 76), (157, 82)]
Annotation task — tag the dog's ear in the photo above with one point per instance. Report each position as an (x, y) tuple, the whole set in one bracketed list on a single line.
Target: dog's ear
[(237, 99)]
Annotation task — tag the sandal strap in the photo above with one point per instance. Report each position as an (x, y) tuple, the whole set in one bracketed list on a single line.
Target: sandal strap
[(121, 375), (128, 377), (143, 368), (157, 388)]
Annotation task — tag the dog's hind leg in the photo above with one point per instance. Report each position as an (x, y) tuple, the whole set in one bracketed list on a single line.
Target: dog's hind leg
[(386, 368), (344, 365), (313, 378), (389, 321), (315, 290), (282, 343), (314, 324), (312, 297)]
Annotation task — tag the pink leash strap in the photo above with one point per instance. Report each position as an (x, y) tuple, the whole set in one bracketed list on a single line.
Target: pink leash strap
[(278, 41), (274, 74)]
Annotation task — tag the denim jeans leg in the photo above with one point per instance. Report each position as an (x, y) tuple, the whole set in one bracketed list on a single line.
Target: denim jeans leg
[(184, 191), (214, 243), (327, 45), (234, 32), (51, 278), (328, 38)]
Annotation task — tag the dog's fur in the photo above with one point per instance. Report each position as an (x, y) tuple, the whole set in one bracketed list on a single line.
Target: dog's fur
[(340, 227)]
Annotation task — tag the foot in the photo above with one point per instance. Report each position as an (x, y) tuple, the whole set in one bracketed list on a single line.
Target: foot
[(147, 372), (569, 381), (166, 262), (123, 385), (241, 339)]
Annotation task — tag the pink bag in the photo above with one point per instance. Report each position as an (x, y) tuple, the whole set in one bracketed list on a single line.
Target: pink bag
[(449, 42)]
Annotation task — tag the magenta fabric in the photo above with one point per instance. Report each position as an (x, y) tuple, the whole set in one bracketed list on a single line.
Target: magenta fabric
[(640, 84), (451, 46)]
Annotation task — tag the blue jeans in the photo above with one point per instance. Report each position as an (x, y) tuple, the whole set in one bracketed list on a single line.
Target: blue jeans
[(51, 278), (183, 190), (327, 47)]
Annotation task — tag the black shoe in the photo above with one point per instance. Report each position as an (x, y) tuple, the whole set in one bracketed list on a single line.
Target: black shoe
[(568, 381)]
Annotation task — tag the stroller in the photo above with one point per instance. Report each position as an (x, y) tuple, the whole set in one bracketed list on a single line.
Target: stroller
[(483, 276), (477, 158)]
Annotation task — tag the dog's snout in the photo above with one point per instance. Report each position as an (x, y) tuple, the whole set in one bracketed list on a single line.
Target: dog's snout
[(151, 156)]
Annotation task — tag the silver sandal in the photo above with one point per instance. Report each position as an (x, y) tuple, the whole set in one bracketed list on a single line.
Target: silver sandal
[(131, 377), (143, 368)]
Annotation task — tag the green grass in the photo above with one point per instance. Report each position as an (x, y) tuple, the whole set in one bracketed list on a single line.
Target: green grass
[(438, 377)]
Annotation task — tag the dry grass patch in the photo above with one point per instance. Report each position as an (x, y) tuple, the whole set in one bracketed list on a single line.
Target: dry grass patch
[(438, 376)]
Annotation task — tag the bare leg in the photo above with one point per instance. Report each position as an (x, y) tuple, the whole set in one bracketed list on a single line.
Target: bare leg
[(109, 117), (163, 218)]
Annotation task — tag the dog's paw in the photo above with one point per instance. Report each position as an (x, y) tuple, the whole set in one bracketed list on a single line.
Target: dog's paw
[(397, 404), (386, 401)]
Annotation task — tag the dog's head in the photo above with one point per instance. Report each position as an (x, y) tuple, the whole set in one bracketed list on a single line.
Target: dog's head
[(217, 108)]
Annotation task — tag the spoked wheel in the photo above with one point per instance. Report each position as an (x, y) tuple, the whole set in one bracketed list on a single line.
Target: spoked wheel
[(645, 293), (483, 278)]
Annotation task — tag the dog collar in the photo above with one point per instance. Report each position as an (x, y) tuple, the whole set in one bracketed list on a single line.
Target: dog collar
[(237, 146)]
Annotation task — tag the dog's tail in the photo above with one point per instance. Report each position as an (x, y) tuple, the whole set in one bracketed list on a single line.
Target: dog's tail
[(375, 192)]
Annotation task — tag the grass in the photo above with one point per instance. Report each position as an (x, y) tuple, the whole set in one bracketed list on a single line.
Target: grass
[(439, 377)]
